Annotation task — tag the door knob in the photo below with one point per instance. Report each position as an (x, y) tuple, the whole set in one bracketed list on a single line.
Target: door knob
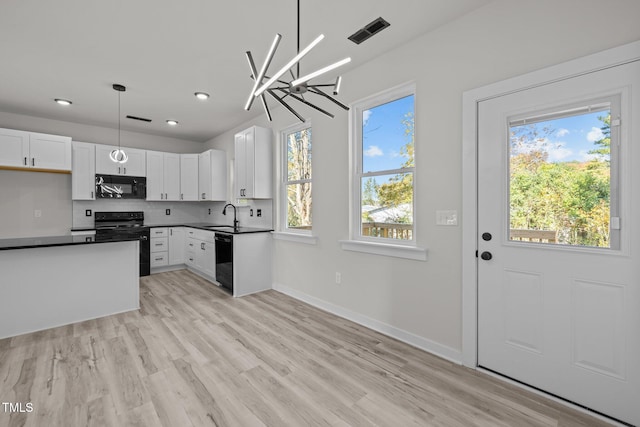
[(486, 256)]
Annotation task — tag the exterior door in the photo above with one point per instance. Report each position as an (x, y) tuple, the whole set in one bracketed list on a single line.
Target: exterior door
[(559, 241)]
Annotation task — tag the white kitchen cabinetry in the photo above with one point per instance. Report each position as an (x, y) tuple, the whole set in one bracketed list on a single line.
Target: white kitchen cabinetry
[(212, 175), (135, 166), (200, 254), (38, 151), (188, 177), (159, 247), (253, 164), (251, 263), (83, 171), (163, 176), (176, 245), (167, 248)]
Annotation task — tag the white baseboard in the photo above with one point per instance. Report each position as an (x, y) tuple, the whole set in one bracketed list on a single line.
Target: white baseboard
[(439, 350)]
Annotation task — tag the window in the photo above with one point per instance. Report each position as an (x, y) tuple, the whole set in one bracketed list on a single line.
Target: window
[(384, 167), (296, 188), (563, 176)]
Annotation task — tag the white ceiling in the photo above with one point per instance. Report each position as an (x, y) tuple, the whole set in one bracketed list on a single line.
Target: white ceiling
[(164, 51)]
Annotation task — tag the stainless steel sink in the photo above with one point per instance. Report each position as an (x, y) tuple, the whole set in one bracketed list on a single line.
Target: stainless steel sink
[(220, 227)]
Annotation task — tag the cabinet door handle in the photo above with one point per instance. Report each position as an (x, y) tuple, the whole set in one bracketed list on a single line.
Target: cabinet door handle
[(202, 246), (159, 259), (166, 197), (118, 170), (125, 171), (181, 196), (33, 161), (171, 232), (92, 194), (203, 196), (25, 161)]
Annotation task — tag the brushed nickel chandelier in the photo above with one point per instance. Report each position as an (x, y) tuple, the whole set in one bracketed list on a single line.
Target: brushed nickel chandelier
[(280, 87)]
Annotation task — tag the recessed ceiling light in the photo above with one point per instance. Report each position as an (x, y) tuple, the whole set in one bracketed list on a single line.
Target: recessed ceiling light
[(201, 95), (63, 101), (172, 122)]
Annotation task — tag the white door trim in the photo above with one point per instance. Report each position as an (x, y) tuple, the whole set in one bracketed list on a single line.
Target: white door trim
[(470, 100)]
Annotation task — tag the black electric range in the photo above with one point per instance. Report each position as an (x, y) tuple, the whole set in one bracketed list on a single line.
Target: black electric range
[(115, 225)]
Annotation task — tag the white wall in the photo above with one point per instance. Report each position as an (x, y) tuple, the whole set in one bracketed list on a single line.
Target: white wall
[(501, 40)]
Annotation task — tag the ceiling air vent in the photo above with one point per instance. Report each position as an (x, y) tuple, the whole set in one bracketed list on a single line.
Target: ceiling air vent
[(142, 119), (368, 31)]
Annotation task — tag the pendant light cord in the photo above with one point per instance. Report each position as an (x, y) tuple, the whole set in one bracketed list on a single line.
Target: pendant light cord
[(119, 116)]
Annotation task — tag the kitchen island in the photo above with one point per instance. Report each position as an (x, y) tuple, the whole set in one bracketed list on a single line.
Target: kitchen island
[(47, 282)]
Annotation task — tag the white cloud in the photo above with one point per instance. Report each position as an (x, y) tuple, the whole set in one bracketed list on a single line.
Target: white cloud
[(365, 116), (373, 151), (558, 152), (562, 132), (595, 135), (585, 156)]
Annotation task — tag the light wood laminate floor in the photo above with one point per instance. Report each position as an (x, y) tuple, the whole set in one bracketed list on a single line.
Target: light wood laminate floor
[(192, 355)]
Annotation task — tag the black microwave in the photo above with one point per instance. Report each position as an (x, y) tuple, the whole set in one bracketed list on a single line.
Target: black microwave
[(121, 187)]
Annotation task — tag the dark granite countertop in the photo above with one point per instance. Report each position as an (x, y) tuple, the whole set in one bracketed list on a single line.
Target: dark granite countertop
[(202, 226), (218, 228), (50, 241)]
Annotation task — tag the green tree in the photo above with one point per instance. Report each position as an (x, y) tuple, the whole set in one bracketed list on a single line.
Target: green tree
[(603, 150)]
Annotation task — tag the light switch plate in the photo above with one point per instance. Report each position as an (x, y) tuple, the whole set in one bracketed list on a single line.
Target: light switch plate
[(447, 217)]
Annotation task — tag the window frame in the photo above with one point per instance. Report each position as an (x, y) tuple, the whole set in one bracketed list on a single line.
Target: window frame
[(357, 174), (284, 181)]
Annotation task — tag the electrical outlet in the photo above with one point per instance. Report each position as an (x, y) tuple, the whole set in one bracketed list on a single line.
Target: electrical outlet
[(259, 212), (87, 212), (167, 212), (338, 278)]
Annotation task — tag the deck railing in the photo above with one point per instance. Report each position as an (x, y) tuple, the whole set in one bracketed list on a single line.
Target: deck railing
[(544, 236), (389, 230)]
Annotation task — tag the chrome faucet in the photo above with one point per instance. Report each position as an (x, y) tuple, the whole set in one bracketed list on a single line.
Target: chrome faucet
[(236, 223)]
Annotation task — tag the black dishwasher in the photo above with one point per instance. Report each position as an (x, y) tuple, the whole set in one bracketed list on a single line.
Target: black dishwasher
[(224, 260)]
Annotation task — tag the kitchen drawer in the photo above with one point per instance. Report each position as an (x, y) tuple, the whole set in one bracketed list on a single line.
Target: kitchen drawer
[(159, 232), (192, 244), (159, 244), (190, 259), (159, 259)]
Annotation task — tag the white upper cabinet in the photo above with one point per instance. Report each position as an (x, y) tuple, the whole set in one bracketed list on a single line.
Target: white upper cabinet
[(135, 166), (163, 176), (212, 175), (83, 176), (253, 164), (188, 177), (171, 176), (34, 150)]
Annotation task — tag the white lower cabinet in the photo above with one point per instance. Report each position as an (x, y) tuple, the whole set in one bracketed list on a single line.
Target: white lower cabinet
[(200, 253), (167, 248), (176, 245)]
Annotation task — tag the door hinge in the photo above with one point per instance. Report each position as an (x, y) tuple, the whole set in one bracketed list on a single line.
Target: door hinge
[(476, 253)]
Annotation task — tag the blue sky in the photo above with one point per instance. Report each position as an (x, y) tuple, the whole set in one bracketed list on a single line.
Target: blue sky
[(384, 135), (572, 137)]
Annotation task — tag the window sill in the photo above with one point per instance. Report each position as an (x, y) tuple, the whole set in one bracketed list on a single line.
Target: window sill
[(386, 249), (307, 239)]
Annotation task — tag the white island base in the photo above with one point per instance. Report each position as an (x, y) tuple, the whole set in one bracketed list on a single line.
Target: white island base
[(46, 287)]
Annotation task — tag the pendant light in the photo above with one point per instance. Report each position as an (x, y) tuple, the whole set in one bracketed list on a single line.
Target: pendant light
[(119, 156), (298, 86)]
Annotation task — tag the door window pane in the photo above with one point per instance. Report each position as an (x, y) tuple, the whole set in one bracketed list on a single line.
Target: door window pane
[(560, 178)]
